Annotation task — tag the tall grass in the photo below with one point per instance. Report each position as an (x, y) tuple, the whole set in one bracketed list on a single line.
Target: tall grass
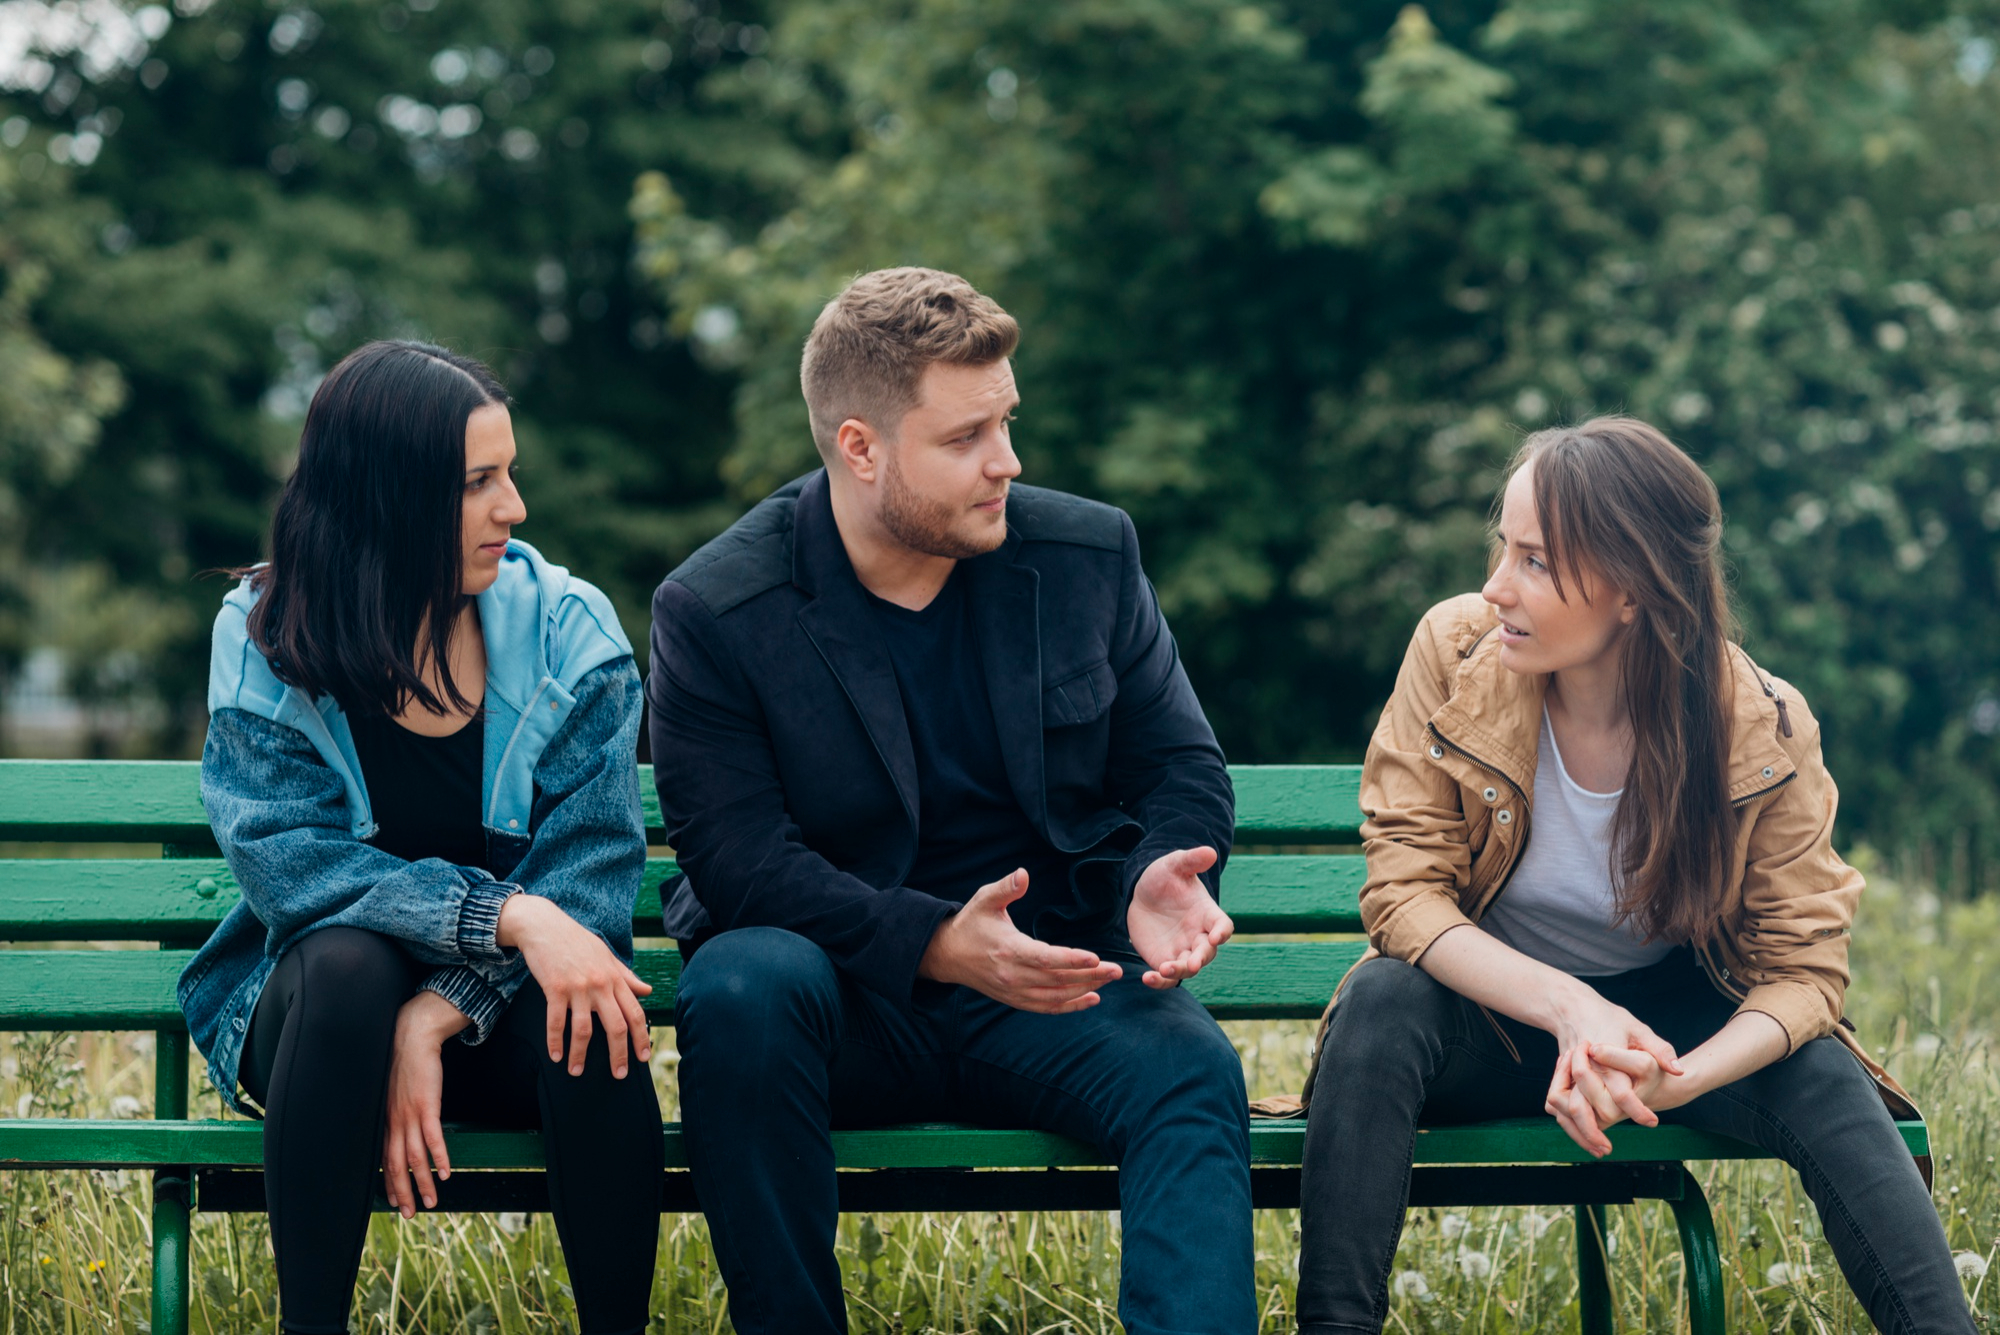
[(74, 1246)]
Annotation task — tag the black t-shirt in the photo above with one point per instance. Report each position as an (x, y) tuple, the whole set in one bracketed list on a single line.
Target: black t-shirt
[(424, 790), (970, 827)]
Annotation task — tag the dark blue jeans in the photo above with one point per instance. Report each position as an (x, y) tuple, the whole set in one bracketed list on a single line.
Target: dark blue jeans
[(1404, 1048), (778, 1049)]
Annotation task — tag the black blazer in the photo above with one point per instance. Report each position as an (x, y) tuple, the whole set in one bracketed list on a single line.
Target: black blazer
[(786, 774)]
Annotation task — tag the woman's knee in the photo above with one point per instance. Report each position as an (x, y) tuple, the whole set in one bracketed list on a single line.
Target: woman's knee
[(351, 957), (350, 980), (1388, 1001)]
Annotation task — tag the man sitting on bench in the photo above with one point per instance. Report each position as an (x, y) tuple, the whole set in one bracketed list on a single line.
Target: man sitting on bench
[(950, 819)]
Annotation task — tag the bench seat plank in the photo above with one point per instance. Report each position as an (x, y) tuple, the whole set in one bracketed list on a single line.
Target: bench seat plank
[(159, 801), (130, 1144), (134, 989), (148, 899)]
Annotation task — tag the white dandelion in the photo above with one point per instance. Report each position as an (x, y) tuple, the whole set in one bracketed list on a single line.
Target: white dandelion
[(1970, 1265), (1451, 1226), (1411, 1284), (1473, 1264)]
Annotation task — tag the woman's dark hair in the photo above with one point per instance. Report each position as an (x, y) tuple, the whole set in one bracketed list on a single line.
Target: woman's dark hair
[(1621, 505), (365, 546)]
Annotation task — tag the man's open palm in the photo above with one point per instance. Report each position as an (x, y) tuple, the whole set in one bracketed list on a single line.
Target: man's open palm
[(1174, 922)]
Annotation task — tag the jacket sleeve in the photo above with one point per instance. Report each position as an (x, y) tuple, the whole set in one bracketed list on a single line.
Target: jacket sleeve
[(281, 817), (1799, 899), (1414, 829), (588, 852), (1164, 767), (724, 805)]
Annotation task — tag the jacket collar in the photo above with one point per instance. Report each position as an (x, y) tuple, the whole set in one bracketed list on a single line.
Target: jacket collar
[(1495, 716), (841, 624)]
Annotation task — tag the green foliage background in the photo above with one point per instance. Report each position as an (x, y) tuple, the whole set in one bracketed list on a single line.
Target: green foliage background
[(1293, 277)]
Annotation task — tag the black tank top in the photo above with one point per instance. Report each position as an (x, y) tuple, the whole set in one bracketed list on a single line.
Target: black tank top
[(424, 791)]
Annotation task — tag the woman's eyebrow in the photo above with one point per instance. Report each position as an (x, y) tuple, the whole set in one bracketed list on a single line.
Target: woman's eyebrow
[(483, 468)]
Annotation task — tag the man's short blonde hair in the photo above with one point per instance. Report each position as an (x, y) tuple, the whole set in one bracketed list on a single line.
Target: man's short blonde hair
[(871, 345)]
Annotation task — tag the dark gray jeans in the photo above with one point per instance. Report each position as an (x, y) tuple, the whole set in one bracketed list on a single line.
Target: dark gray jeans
[(1404, 1049)]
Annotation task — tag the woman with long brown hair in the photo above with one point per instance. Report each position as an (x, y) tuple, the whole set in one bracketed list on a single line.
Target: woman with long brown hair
[(1601, 884)]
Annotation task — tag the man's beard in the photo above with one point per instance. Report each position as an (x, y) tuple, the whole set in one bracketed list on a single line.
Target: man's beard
[(927, 526)]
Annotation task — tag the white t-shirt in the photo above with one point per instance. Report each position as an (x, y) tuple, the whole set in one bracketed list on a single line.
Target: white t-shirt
[(1558, 906)]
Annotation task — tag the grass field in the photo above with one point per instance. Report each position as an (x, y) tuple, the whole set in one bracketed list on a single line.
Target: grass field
[(74, 1246)]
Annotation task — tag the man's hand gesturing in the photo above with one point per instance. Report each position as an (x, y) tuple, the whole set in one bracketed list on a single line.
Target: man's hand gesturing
[(980, 947), (1175, 923)]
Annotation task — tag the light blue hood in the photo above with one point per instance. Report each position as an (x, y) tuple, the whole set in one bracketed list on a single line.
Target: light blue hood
[(544, 631)]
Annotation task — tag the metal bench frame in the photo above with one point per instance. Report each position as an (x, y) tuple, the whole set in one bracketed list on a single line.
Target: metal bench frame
[(215, 1165)]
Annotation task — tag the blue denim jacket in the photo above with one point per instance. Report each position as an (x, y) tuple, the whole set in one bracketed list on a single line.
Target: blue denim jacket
[(560, 801)]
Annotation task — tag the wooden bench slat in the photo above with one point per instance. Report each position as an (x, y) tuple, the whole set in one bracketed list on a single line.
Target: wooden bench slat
[(159, 801), (134, 989), (90, 989), (152, 899), (114, 1144), (1277, 892)]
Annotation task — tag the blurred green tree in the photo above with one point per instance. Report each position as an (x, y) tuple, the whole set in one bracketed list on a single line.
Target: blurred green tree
[(1295, 279), (256, 189)]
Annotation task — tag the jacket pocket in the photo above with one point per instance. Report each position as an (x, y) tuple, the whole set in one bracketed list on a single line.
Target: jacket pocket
[(1079, 697)]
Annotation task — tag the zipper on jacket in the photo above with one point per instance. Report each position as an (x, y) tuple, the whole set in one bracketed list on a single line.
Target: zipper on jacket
[(1784, 719), (1520, 847)]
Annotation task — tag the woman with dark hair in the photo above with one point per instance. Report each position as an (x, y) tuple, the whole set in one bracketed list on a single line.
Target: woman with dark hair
[(1601, 884), (420, 769)]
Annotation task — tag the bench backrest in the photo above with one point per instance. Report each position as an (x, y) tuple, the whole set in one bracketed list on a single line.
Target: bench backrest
[(177, 900)]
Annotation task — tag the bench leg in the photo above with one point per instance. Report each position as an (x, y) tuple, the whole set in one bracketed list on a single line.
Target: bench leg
[(1593, 1280), (1703, 1259), (171, 1191), (170, 1251)]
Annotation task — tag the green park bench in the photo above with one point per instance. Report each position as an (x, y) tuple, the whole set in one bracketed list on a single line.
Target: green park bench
[(1280, 966)]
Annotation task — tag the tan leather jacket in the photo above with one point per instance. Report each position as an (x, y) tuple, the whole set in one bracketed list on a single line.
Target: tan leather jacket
[(1447, 792)]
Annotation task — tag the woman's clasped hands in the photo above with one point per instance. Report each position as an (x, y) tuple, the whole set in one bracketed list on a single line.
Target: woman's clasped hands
[(1610, 1066)]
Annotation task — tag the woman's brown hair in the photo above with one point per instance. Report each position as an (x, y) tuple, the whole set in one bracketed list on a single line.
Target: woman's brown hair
[(1620, 501)]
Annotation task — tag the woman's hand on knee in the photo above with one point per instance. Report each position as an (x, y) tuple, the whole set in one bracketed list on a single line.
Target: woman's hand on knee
[(581, 977), (414, 1140)]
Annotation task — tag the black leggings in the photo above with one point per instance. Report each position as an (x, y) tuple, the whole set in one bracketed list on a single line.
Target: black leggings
[(317, 1058)]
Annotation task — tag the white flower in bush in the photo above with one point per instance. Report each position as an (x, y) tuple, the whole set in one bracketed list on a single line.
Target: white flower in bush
[(1411, 1284), (511, 1222), (1783, 1272), (1970, 1265), (1451, 1226), (1474, 1265)]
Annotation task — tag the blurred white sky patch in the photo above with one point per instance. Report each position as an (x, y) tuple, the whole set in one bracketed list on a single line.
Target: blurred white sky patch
[(102, 35)]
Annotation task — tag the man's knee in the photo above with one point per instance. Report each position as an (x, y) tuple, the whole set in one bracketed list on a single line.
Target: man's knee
[(753, 985), (1185, 1068)]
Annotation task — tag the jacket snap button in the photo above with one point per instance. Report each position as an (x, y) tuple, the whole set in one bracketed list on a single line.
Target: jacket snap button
[(1437, 753), (1767, 771), (1505, 817), (1491, 794), (513, 825), (552, 706), (238, 1025)]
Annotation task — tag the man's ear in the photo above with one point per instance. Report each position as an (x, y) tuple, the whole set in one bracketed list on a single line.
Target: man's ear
[(860, 449)]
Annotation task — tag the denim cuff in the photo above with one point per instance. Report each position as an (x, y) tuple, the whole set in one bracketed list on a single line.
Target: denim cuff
[(478, 1001), (479, 919)]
